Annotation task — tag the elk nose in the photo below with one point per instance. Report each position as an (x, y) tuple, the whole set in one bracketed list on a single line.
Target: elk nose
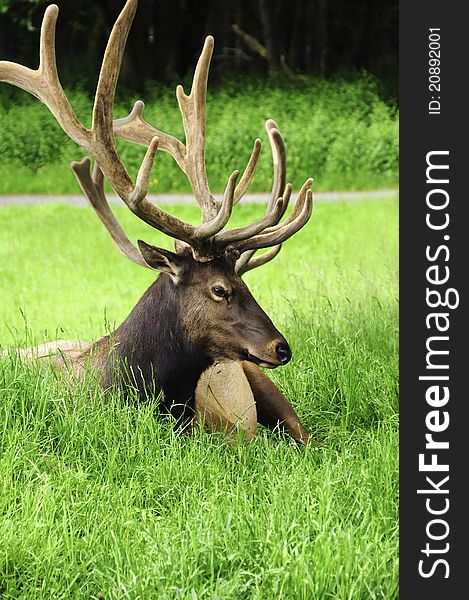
[(283, 353)]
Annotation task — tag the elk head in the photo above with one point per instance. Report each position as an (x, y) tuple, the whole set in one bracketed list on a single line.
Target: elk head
[(215, 307), (204, 273)]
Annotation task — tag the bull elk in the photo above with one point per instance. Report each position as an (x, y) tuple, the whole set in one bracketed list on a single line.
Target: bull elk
[(197, 336)]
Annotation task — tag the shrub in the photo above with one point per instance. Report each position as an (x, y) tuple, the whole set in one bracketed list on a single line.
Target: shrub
[(340, 132)]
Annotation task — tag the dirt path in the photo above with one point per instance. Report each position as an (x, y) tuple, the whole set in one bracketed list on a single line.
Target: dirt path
[(79, 200)]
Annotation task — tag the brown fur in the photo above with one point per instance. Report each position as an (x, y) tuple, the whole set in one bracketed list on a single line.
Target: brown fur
[(224, 400), (238, 395), (273, 409)]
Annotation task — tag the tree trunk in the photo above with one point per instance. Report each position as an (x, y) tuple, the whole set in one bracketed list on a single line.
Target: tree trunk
[(270, 38)]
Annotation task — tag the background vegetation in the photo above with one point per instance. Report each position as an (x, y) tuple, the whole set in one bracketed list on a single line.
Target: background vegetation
[(291, 37), (102, 500), (340, 132), (325, 70)]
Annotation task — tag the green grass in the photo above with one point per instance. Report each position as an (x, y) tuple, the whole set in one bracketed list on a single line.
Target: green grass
[(102, 500), (342, 131)]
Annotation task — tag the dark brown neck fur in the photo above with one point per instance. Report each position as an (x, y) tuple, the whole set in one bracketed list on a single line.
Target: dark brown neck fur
[(152, 353)]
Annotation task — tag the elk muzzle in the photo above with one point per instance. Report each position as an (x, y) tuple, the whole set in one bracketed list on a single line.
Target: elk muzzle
[(283, 352), (275, 354)]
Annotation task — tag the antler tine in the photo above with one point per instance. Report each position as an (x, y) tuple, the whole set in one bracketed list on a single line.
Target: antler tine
[(109, 74), (44, 81), (286, 199), (277, 205), (286, 230), (247, 260), (193, 111), (256, 261), (224, 238), (143, 177), (243, 260), (297, 207), (210, 228), (248, 174), (104, 147), (280, 166), (133, 128), (93, 188), (139, 204), (279, 156)]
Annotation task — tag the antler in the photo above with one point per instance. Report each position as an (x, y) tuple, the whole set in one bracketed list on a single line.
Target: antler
[(135, 129), (247, 261), (205, 240)]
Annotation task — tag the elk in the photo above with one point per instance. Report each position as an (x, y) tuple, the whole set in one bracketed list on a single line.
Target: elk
[(197, 337)]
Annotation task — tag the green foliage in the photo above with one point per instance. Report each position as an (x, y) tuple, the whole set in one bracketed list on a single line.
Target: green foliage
[(16, 7), (341, 133), (102, 500)]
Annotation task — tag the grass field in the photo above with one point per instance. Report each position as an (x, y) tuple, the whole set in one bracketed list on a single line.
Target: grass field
[(102, 500)]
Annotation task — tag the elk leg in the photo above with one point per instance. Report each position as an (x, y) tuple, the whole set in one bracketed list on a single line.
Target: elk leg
[(273, 409), (68, 357), (224, 400), (51, 348)]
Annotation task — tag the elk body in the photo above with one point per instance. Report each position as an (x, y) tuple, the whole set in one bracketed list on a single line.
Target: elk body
[(180, 327), (197, 335)]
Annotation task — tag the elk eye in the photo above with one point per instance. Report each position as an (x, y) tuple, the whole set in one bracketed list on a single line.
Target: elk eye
[(219, 291)]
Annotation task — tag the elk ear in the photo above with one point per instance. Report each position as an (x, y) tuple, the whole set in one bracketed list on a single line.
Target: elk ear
[(162, 260)]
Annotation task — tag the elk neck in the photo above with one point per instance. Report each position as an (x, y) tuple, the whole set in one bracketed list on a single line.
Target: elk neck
[(153, 353)]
